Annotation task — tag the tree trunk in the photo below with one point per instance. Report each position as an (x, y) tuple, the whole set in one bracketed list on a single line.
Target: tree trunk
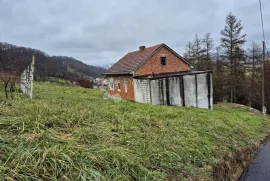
[(12, 90), (6, 90), (252, 78), (232, 80)]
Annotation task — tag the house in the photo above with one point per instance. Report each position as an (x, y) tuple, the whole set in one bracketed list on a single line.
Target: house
[(101, 83), (158, 75)]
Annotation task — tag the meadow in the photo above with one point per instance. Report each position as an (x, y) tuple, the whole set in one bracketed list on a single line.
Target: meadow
[(73, 133)]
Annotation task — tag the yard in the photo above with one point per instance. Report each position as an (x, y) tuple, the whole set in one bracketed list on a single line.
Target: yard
[(73, 133)]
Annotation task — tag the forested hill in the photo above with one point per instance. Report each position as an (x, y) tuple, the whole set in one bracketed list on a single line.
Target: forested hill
[(54, 66)]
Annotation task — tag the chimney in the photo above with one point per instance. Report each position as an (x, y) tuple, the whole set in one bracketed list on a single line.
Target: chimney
[(142, 48)]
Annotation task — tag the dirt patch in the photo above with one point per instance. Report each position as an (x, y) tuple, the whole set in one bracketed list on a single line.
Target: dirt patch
[(234, 164)]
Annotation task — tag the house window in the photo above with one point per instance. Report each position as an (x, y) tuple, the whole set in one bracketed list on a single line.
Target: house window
[(119, 86), (111, 84), (125, 85), (163, 60)]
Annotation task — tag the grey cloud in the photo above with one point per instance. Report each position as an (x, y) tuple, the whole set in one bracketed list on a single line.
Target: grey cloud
[(101, 32)]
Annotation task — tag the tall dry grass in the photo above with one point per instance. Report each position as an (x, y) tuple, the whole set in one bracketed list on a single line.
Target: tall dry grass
[(72, 133)]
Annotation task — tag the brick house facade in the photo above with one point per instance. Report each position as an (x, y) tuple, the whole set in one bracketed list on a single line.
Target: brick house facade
[(153, 65), (126, 90), (157, 59)]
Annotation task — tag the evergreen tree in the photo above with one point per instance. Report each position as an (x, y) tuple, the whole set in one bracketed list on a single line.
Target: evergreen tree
[(231, 42)]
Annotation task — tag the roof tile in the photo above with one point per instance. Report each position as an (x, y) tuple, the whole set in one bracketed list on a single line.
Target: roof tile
[(132, 60)]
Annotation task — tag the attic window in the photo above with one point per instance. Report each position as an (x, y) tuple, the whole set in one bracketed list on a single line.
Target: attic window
[(163, 60)]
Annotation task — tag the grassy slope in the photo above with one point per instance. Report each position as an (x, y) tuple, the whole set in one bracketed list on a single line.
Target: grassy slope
[(93, 138)]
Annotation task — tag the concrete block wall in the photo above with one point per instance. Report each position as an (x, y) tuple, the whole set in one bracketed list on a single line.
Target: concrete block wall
[(202, 88), (190, 90), (175, 92), (142, 90), (187, 90)]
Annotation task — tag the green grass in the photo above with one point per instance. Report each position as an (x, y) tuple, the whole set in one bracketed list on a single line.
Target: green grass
[(72, 133)]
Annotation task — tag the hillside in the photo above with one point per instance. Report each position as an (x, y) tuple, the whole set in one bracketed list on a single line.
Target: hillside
[(55, 66), (72, 133)]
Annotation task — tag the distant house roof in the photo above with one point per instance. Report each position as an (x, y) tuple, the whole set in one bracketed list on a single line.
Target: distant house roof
[(133, 60)]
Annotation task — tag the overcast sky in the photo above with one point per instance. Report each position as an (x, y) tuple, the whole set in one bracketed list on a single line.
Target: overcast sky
[(102, 31)]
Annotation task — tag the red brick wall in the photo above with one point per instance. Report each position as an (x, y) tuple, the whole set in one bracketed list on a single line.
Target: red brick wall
[(173, 64), (124, 95)]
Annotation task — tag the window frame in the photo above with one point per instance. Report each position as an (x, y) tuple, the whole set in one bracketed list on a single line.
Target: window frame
[(118, 86), (163, 61), (111, 84)]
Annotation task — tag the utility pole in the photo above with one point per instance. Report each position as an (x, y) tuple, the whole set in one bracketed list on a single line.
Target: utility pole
[(263, 81)]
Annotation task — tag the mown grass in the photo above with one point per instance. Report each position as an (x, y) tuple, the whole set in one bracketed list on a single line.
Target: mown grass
[(72, 133)]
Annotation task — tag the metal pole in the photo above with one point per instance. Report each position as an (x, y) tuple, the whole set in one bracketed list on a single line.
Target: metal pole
[(263, 81)]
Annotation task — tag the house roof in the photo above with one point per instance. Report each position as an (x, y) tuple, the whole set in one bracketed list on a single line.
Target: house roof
[(133, 60), (171, 74)]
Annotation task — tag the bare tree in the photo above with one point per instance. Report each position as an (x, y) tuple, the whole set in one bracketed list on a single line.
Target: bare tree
[(6, 71), (197, 52), (255, 56), (219, 74), (207, 51), (189, 55), (10, 69)]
